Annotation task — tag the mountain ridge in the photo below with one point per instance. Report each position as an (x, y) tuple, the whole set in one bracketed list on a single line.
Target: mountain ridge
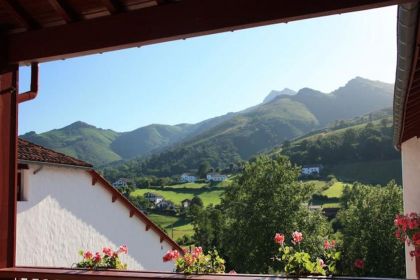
[(281, 116)]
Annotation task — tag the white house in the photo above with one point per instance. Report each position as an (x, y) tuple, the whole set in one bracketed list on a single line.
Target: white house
[(121, 183), (154, 198), (216, 177), (309, 170), (64, 205), (186, 203), (165, 204), (187, 178)]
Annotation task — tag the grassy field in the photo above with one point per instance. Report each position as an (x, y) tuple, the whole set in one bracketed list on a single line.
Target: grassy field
[(178, 194), (175, 227), (319, 185), (335, 191)]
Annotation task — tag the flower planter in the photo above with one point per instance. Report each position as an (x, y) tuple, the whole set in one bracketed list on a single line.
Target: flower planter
[(417, 260)]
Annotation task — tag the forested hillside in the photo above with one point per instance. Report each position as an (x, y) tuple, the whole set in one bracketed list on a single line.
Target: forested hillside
[(362, 150)]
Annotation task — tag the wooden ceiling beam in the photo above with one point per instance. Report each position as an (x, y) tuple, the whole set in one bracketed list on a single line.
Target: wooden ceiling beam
[(113, 6), (65, 11), (20, 15), (178, 20)]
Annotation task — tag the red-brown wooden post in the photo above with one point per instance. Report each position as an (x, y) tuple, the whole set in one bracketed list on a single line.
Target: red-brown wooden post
[(8, 163)]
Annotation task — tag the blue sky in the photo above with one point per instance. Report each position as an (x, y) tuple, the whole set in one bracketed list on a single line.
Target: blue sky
[(187, 81)]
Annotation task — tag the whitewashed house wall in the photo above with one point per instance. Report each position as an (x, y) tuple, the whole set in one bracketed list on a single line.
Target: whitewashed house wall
[(64, 213)]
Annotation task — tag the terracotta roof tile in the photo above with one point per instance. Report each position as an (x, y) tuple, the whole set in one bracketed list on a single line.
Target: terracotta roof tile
[(32, 152)]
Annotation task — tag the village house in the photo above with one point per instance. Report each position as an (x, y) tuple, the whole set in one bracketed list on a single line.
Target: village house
[(186, 203), (187, 178), (153, 198), (64, 205), (165, 205), (311, 170), (216, 177), (122, 183)]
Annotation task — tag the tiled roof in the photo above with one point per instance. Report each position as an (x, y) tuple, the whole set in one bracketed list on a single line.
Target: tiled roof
[(32, 152)]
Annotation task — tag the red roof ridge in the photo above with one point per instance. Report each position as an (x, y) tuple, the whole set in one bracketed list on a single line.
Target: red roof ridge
[(133, 210), (33, 152)]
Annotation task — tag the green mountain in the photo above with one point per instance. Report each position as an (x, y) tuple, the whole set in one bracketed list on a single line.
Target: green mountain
[(146, 139), (79, 140), (359, 96), (224, 140), (284, 115)]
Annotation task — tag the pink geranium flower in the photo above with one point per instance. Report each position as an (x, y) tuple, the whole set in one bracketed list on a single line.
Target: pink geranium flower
[(279, 238), (87, 255), (297, 237), (329, 244), (197, 252), (107, 251), (122, 249), (171, 255)]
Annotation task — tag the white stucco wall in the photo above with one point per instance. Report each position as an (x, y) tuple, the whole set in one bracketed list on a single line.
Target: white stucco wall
[(410, 151), (65, 213)]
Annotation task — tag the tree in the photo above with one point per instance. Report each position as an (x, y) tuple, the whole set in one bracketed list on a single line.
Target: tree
[(204, 169), (196, 200), (368, 230), (286, 144), (140, 202), (264, 199)]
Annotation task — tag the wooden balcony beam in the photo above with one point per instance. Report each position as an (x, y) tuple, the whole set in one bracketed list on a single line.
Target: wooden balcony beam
[(8, 159), (161, 23)]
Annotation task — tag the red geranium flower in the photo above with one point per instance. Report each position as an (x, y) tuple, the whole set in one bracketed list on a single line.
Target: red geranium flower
[(416, 238), (359, 263), (97, 258)]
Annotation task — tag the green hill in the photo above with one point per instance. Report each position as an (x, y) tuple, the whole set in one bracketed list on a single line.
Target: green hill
[(144, 140), (79, 140), (362, 150)]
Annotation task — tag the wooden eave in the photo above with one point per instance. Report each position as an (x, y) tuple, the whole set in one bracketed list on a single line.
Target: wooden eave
[(407, 81), (45, 30)]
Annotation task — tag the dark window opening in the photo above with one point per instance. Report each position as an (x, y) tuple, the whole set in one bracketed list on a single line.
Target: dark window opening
[(20, 186)]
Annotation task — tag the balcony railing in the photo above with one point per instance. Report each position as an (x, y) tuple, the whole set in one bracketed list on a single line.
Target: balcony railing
[(42, 273)]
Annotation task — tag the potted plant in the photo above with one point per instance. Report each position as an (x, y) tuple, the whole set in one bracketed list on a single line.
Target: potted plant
[(297, 262), (195, 261), (408, 231), (109, 259)]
